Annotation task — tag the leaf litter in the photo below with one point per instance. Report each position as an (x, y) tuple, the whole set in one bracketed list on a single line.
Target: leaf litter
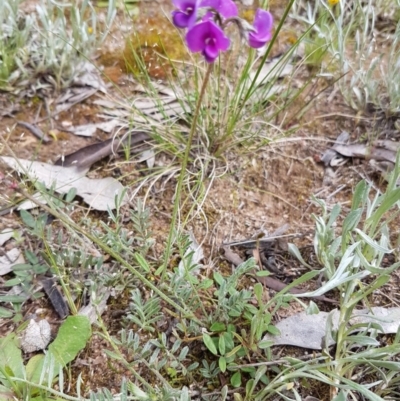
[(98, 193), (244, 222), (309, 330)]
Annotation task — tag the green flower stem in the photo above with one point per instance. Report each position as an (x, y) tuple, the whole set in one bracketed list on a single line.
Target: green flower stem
[(163, 268)]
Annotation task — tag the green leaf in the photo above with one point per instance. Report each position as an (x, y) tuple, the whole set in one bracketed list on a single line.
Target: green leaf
[(34, 365), (209, 343), (312, 308), (273, 330), (69, 197), (11, 356), (258, 291), (362, 340), (142, 262), (27, 219), (236, 379), (217, 326), (21, 267), (31, 257), (222, 364), (71, 339), (334, 214), (112, 354), (341, 396), (221, 345), (218, 278), (360, 195), (293, 250), (249, 388), (263, 273), (5, 313), (207, 283), (263, 344), (234, 351), (372, 243)]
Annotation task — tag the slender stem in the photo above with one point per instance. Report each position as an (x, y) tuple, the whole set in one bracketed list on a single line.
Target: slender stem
[(163, 268)]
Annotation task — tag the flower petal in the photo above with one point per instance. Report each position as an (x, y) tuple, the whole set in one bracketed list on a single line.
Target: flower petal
[(184, 4), (255, 43), (208, 38), (180, 19), (186, 14), (263, 22), (221, 41), (227, 8), (196, 37)]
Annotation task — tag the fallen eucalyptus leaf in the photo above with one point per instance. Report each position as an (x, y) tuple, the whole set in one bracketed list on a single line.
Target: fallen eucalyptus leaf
[(5, 235), (12, 257), (308, 331), (149, 157), (99, 193)]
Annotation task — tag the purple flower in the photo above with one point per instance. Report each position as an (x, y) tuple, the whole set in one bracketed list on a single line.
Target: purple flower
[(227, 8), (208, 38), (262, 33), (186, 16)]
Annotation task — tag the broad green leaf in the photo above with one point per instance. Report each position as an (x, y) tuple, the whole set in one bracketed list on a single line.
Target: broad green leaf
[(236, 379), (263, 344), (218, 278), (71, 339), (234, 351), (273, 330), (27, 219), (33, 368), (5, 313), (14, 298), (222, 364), (11, 356), (249, 388), (217, 326), (209, 343)]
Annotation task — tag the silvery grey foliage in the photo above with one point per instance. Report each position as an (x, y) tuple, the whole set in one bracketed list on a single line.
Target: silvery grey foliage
[(48, 47)]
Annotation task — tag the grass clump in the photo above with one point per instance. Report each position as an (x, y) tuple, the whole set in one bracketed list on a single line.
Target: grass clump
[(48, 46)]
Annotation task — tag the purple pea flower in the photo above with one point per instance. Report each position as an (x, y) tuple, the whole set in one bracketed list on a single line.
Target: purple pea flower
[(186, 15), (262, 33), (227, 8), (208, 38)]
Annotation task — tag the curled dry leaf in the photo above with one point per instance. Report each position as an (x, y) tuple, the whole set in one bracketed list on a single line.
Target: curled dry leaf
[(9, 259), (99, 194), (88, 155), (308, 331)]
